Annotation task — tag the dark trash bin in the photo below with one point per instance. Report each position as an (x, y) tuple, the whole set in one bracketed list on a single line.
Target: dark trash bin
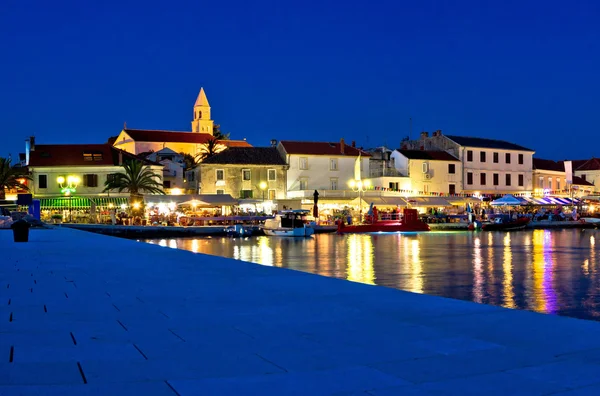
[(20, 231)]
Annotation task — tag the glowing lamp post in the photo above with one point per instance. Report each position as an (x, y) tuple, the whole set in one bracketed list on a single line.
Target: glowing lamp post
[(68, 186), (263, 187), (360, 187)]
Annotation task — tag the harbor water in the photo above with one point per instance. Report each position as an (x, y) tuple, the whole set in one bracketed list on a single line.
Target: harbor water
[(548, 271)]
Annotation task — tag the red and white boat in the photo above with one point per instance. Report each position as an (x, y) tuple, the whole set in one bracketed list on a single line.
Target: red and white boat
[(409, 223)]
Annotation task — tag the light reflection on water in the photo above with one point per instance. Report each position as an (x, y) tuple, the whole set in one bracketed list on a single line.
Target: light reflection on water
[(541, 270)]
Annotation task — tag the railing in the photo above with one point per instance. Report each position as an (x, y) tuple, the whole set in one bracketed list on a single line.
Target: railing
[(385, 172)]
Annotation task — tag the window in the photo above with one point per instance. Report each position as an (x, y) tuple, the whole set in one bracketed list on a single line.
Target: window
[(496, 179), (482, 179), (333, 183), (245, 194), (507, 160), (558, 184), (90, 180), (469, 155), (43, 181), (191, 175), (271, 175), (246, 174), (496, 160), (220, 192), (303, 163), (303, 184), (469, 178), (92, 156), (550, 183), (272, 195), (508, 179), (521, 159), (451, 169), (541, 182), (220, 174), (482, 156), (425, 167), (583, 176), (111, 177), (167, 184), (333, 164), (451, 189), (521, 181)]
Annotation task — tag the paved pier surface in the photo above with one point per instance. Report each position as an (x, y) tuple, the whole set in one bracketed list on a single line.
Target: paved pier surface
[(87, 314)]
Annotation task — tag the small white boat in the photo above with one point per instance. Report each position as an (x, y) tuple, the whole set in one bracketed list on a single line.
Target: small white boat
[(289, 223), (593, 220)]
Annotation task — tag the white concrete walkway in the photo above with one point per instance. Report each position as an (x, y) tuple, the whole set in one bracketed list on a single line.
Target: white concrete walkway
[(86, 314)]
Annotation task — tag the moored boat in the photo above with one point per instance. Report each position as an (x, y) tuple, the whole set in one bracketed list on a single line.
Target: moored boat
[(504, 223), (289, 223), (409, 223)]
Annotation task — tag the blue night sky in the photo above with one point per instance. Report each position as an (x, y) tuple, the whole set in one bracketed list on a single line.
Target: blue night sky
[(523, 71)]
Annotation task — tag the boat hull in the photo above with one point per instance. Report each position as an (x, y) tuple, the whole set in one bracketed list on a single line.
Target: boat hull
[(516, 225), (302, 232), (383, 226)]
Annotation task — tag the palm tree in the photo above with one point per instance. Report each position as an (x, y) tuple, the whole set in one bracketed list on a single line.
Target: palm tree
[(217, 134), (210, 148), (12, 177), (136, 179)]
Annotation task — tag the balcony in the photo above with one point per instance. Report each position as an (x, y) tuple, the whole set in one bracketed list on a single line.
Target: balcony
[(385, 172)]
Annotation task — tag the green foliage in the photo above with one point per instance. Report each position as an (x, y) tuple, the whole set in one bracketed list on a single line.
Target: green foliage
[(10, 176), (209, 149), (218, 134), (189, 161), (137, 178)]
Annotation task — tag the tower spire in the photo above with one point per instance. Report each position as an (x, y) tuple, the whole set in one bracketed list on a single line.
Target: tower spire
[(201, 121)]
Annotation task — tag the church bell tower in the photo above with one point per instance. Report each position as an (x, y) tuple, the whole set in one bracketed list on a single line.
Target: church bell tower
[(201, 122)]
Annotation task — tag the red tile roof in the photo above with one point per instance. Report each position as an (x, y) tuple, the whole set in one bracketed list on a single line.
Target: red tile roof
[(321, 148), (550, 165), (428, 155), (592, 164), (142, 135), (580, 182), (73, 155)]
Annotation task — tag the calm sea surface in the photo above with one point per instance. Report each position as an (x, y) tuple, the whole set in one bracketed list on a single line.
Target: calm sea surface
[(554, 272)]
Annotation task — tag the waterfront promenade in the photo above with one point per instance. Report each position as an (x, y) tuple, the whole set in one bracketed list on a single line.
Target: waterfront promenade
[(87, 314)]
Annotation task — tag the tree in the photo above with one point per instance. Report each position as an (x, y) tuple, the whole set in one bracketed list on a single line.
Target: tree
[(210, 148), (217, 134), (189, 161), (136, 179), (12, 177)]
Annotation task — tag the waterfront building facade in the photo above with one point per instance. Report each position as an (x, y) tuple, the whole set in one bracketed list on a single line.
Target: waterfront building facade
[(589, 171), (247, 173), (74, 175), (490, 166), (550, 178), (324, 166), (429, 172), (173, 170)]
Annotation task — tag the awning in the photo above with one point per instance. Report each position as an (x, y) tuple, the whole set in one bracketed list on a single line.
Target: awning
[(548, 200), (428, 201), (462, 201), (509, 200), (379, 201), (591, 197), (201, 200), (81, 202)]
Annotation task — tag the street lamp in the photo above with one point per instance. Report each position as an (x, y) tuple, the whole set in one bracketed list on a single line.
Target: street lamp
[(360, 187), (263, 187), (68, 186)]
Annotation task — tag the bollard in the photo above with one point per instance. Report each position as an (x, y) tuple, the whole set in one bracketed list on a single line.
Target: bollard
[(20, 230)]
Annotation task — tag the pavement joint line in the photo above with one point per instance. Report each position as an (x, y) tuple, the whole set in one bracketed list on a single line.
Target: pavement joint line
[(171, 387), (45, 309), (117, 308), (11, 354), (122, 325), (140, 351), (274, 364), (164, 314), (177, 335), (73, 338), (66, 295), (82, 373)]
